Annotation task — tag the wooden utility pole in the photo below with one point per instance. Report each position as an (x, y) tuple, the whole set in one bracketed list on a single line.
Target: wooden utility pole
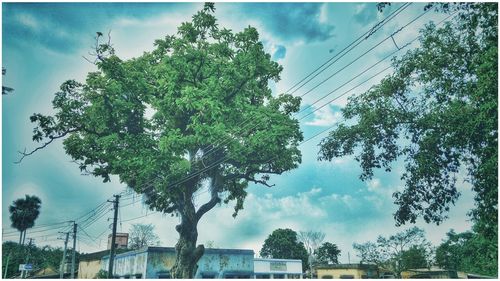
[(6, 266), (74, 251), (63, 260), (113, 237)]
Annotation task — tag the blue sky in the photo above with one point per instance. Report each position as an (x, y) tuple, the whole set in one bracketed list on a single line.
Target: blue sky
[(43, 45)]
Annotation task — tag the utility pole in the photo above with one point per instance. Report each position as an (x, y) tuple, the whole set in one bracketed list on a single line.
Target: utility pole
[(113, 237), (25, 272), (6, 266), (63, 261), (74, 251)]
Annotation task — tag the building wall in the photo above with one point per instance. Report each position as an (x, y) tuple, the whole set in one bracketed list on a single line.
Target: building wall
[(154, 262), (338, 273), (88, 269), (269, 268), (121, 240)]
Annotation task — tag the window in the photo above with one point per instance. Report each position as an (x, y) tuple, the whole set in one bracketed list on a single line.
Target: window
[(346, 276), (327, 277), (262, 276), (163, 275), (279, 276)]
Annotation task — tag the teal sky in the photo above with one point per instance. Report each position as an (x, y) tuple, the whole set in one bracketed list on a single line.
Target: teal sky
[(43, 45)]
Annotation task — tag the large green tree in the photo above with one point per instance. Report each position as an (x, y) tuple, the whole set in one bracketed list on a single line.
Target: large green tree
[(194, 113), (468, 252), (438, 113), (283, 244), (397, 251), (327, 253), (23, 213)]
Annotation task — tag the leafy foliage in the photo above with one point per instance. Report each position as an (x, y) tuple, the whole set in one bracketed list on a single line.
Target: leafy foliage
[(327, 253), (438, 112), (175, 120), (283, 244), (101, 274), (24, 212), (468, 252), (5, 89), (142, 235), (40, 257), (397, 252)]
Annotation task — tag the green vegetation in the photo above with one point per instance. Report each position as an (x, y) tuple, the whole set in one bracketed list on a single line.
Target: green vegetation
[(327, 253), (408, 249), (44, 257), (195, 111), (23, 213), (438, 112), (467, 252), (283, 244)]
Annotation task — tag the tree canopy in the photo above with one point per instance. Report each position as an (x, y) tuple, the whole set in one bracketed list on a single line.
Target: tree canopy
[(195, 113), (23, 213), (396, 252), (437, 112), (283, 244), (327, 253), (142, 235)]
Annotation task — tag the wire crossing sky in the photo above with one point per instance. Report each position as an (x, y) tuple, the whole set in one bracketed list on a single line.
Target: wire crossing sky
[(333, 50)]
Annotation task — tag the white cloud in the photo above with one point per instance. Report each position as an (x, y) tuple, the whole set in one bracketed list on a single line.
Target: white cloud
[(325, 117), (28, 21)]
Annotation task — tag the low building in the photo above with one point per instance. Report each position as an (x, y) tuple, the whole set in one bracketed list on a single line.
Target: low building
[(429, 273), (90, 264), (156, 262), (277, 269), (347, 271), (121, 241)]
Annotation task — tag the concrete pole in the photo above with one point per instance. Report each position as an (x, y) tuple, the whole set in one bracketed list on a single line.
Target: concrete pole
[(63, 261), (113, 238), (74, 251)]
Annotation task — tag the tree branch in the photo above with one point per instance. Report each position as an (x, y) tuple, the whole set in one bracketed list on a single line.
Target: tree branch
[(52, 138)]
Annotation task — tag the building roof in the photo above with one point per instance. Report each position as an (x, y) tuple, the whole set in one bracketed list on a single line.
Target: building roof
[(209, 251), (282, 260), (348, 266), (94, 256)]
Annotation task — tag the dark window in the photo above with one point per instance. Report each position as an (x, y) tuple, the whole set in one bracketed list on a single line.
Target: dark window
[(163, 275), (262, 276), (346, 276), (327, 277), (279, 276)]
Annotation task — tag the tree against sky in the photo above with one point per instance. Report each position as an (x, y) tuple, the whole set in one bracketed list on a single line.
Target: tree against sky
[(283, 244), (311, 240), (327, 253), (468, 252), (438, 113), (142, 235), (196, 113), (23, 213), (389, 252)]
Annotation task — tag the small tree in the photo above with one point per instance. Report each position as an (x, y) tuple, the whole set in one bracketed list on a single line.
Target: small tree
[(23, 213), (311, 240), (142, 235), (215, 124), (327, 253), (283, 244), (389, 252)]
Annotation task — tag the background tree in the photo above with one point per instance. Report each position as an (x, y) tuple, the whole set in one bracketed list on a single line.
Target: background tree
[(466, 252), (311, 240), (389, 252), (283, 244), (438, 112), (142, 235), (23, 213), (415, 257), (327, 253), (204, 87), (5, 89)]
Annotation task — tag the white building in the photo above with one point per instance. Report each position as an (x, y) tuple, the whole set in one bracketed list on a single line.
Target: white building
[(277, 269)]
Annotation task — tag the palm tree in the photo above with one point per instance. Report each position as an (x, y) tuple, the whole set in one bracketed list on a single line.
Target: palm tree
[(23, 213)]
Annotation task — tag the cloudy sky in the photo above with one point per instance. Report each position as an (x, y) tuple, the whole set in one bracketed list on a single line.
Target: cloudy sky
[(44, 45)]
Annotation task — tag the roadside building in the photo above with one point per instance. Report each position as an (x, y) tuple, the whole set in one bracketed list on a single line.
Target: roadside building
[(156, 262), (277, 269), (90, 264), (429, 273), (121, 241), (347, 271)]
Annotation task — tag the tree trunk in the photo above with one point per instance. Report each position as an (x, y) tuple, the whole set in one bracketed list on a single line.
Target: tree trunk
[(20, 237), (24, 236), (187, 253)]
